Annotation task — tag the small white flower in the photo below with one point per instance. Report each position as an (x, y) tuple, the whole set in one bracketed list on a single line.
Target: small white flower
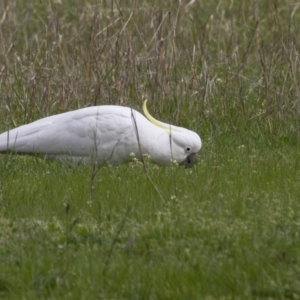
[(174, 162)]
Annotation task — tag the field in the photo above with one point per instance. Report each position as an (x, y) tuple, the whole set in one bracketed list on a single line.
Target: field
[(229, 227)]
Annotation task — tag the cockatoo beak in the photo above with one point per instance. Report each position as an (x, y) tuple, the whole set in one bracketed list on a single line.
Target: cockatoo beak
[(189, 161)]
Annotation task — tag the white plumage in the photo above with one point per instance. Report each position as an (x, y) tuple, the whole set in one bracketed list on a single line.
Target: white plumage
[(106, 134)]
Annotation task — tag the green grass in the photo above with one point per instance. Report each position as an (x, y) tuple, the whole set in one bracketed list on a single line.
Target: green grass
[(227, 228)]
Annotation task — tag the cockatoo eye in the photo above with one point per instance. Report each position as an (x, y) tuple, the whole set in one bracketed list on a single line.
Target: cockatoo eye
[(188, 149)]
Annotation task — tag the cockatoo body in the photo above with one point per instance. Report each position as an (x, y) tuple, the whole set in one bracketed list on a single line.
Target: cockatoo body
[(104, 134)]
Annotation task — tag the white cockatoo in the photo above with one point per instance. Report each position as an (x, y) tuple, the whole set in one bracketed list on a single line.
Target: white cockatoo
[(103, 134)]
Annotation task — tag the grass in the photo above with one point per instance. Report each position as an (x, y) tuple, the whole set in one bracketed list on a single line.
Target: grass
[(227, 228)]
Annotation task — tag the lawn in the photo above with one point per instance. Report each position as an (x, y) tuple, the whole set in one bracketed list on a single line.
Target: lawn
[(228, 228)]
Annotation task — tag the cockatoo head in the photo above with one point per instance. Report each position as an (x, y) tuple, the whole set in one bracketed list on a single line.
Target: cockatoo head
[(183, 143)]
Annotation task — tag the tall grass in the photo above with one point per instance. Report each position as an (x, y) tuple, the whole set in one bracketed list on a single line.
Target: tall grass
[(226, 229)]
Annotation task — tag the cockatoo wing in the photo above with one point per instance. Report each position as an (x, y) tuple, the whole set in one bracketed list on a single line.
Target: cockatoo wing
[(103, 129)]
